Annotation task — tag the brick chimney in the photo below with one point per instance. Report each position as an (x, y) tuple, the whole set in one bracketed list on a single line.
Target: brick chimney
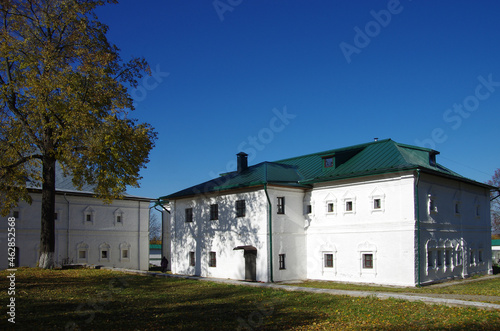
[(242, 161)]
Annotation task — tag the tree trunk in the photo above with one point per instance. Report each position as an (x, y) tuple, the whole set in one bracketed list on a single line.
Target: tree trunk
[(47, 233)]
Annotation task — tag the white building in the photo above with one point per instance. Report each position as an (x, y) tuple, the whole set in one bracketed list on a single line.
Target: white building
[(380, 212), (87, 230)]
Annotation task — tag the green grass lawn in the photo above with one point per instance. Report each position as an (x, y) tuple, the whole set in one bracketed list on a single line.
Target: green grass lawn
[(489, 287), (102, 299)]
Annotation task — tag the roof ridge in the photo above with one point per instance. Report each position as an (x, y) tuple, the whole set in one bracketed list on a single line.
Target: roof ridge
[(339, 149)]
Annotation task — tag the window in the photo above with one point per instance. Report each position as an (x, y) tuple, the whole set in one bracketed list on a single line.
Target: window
[(15, 214), (328, 162), (348, 205), (439, 258), (55, 216), (447, 257), (240, 208), (377, 204), (282, 261), (214, 212), (308, 209), (118, 218), (281, 205), (191, 259), (328, 258), (480, 256), (330, 207), (430, 259), (459, 257), (457, 208), (82, 254), (104, 254), (367, 261), (471, 257), (189, 214), (124, 252), (212, 262), (478, 211), (88, 217), (432, 206)]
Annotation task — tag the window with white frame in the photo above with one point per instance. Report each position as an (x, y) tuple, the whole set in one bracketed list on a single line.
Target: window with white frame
[(377, 198), (349, 204), (104, 252), (330, 207), (124, 252), (82, 252), (328, 260), (472, 258), (367, 258), (118, 214), (458, 256), (88, 215)]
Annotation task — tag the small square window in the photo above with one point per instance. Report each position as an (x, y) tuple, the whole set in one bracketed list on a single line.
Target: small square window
[(240, 208), (377, 204), (281, 205), (328, 260), (212, 262), (104, 254), (282, 261), (348, 206), (328, 162), (125, 254), (330, 207), (189, 214), (367, 261), (192, 259), (214, 212), (82, 254)]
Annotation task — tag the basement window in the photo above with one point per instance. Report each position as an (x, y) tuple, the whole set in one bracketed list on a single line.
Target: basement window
[(191, 259), (282, 261), (281, 205)]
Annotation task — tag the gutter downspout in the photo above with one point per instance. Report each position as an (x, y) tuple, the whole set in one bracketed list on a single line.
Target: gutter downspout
[(417, 201), (270, 229), (67, 230)]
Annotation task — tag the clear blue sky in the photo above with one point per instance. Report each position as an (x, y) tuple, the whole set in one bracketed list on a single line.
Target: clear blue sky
[(283, 78)]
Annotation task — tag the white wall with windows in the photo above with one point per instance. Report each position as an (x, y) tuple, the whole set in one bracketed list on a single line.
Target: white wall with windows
[(87, 231), (358, 230)]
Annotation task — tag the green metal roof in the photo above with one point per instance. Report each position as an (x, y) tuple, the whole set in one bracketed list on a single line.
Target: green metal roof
[(378, 157)]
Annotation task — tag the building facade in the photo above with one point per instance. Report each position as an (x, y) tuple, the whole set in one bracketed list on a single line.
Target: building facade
[(87, 230), (381, 212)]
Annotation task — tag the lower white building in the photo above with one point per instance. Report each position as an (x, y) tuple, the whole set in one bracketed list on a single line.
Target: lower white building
[(87, 230), (380, 212)]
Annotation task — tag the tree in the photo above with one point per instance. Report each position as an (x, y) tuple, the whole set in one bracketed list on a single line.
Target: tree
[(154, 227), (495, 202), (64, 98)]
